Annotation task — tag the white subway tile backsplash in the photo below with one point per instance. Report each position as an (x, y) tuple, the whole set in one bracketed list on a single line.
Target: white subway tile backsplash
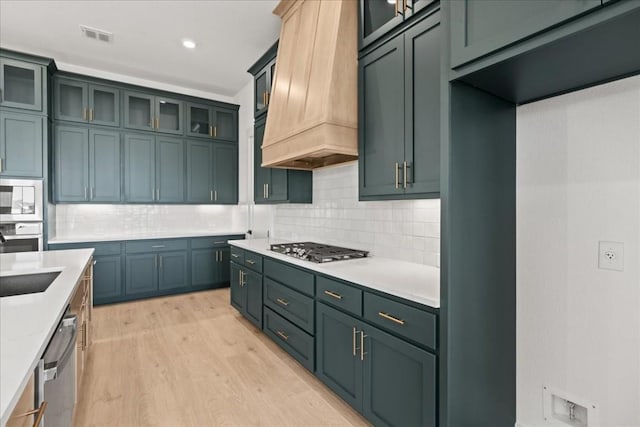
[(403, 229)]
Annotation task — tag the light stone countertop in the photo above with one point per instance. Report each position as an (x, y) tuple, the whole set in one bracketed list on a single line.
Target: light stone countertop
[(122, 236), (27, 322), (414, 282)]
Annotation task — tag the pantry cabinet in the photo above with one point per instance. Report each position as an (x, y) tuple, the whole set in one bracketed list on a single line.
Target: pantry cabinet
[(153, 169), (87, 165), (399, 109)]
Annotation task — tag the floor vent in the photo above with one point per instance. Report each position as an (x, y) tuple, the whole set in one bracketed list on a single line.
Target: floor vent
[(96, 34)]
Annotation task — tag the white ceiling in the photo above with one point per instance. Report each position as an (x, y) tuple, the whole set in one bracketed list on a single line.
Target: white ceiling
[(147, 44)]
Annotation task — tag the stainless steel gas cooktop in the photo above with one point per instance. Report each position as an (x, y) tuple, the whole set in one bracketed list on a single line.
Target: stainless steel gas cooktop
[(317, 252)]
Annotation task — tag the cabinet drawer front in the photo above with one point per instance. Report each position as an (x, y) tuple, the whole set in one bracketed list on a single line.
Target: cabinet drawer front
[(290, 304), (339, 295), (155, 245), (101, 248), (209, 242), (253, 261), (293, 340), (237, 255), (412, 323), (290, 276)]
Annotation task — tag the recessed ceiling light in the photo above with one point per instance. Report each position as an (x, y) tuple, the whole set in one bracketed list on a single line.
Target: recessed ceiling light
[(189, 44)]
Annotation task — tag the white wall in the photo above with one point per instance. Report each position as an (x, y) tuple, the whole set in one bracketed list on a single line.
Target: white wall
[(578, 182), (407, 230)]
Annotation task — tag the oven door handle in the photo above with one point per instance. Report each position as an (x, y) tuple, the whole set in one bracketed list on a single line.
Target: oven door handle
[(51, 368)]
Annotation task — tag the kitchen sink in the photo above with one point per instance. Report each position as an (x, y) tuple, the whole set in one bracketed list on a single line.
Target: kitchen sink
[(26, 283)]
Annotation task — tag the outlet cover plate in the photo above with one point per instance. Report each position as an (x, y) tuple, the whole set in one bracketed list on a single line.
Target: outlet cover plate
[(611, 256)]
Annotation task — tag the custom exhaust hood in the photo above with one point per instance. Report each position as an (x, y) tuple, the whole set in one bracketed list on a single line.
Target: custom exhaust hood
[(313, 110)]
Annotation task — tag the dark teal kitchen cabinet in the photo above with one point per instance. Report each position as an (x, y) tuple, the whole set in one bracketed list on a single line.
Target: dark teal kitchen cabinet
[(79, 101), (22, 85), (390, 381), (263, 72), (87, 165), (172, 270), (141, 274), (272, 185), (210, 262), (153, 169), (378, 17), (399, 116), (338, 362), (107, 278), (169, 170), (212, 172), (212, 122), (246, 292), (144, 111), (71, 150), (399, 381), (225, 173), (21, 144), (479, 28)]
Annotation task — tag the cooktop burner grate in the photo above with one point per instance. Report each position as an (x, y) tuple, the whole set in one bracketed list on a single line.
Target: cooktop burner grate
[(317, 252)]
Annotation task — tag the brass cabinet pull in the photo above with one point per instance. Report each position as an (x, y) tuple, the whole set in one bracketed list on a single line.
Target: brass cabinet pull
[(267, 185), (333, 294), (216, 256), (155, 261), (160, 262), (250, 262), (235, 255), (404, 173), (157, 246), (241, 278), (354, 340), (211, 195), (210, 131), (215, 131), (283, 302), (390, 317), (397, 9), (157, 194), (282, 334), (215, 195), (85, 193), (90, 193), (397, 175), (0, 164), (268, 96), (84, 113), (362, 352), (404, 6)]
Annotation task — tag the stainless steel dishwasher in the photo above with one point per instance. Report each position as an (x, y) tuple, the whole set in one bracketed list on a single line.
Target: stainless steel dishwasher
[(56, 374)]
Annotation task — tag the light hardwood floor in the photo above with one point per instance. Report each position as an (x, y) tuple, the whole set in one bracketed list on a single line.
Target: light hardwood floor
[(192, 360)]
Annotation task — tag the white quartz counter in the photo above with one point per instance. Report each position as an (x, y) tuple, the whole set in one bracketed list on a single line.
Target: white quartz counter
[(27, 322), (414, 282), (121, 236)]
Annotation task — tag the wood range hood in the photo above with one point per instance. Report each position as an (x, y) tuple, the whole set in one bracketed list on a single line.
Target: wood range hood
[(313, 115)]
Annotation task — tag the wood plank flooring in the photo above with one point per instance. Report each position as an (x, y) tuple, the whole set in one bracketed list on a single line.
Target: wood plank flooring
[(192, 360)]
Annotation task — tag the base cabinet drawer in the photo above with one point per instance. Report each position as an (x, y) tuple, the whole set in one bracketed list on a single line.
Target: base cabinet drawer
[(293, 340), (295, 278), (292, 305), (404, 320), (339, 295)]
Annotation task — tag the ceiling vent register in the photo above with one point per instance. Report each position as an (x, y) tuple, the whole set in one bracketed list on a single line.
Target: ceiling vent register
[(96, 34)]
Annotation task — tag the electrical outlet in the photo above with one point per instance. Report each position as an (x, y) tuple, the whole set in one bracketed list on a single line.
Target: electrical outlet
[(611, 256)]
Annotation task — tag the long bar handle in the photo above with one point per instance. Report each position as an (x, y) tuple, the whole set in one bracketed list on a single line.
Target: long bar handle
[(282, 334), (397, 175), (157, 246), (250, 262), (267, 185), (333, 294), (354, 340), (405, 166), (235, 255), (211, 195), (362, 352), (390, 317), (283, 302)]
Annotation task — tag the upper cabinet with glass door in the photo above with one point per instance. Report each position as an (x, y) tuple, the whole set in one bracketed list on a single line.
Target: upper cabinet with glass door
[(22, 85), (152, 113), (378, 17), (212, 122), (263, 72), (79, 101)]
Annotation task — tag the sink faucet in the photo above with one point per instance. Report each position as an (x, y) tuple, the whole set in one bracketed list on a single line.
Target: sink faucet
[(2, 239)]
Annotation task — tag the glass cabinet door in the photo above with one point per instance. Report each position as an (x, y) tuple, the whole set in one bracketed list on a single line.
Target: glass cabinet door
[(261, 90), (138, 111), (20, 84), (224, 125), (199, 121), (378, 17), (168, 115), (104, 105), (71, 100)]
